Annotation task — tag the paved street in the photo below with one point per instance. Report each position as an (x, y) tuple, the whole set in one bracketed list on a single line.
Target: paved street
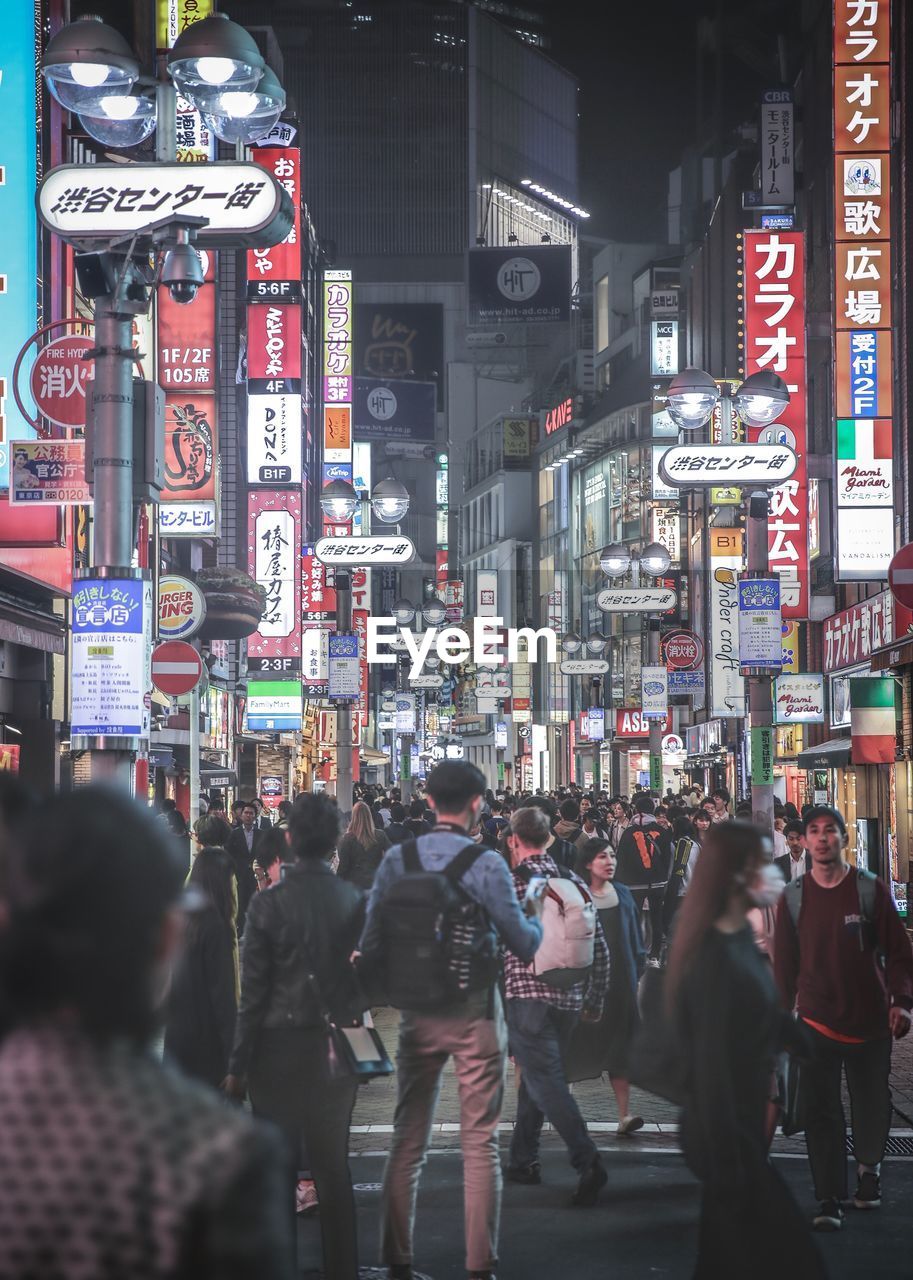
[(644, 1226)]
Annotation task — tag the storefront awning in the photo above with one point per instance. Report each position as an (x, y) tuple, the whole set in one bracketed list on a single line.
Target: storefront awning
[(833, 754)]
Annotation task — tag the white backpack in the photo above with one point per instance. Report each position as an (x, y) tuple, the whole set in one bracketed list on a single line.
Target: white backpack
[(565, 954)]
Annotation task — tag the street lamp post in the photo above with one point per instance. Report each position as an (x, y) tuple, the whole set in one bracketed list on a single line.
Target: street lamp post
[(761, 398), (91, 71), (654, 560)]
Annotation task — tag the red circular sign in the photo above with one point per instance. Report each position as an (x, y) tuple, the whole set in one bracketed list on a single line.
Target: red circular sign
[(58, 380), (682, 650), (900, 576), (176, 668)]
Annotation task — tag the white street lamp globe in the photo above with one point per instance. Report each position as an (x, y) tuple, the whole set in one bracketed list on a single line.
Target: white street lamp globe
[(120, 119), (655, 560), (214, 54), (244, 115), (761, 398), (691, 398), (615, 560), (390, 501), (86, 61), (403, 612), (338, 501), (434, 611), (596, 643), (571, 643)]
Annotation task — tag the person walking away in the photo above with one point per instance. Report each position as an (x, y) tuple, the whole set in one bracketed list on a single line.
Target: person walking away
[(417, 823), (797, 860), (172, 1185), (467, 1025), (568, 825), (272, 852), (644, 869), (559, 849), (294, 963), (843, 959), (396, 830), (685, 852), (242, 849), (606, 1042), (723, 1009), (541, 1018), (361, 848), (203, 998)]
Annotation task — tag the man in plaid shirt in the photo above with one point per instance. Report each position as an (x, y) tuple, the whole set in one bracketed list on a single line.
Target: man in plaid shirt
[(540, 1019)]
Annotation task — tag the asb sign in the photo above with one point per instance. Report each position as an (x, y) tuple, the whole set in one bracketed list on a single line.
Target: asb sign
[(630, 722)]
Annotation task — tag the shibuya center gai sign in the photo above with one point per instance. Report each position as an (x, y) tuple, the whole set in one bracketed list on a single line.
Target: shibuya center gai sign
[(243, 204), (386, 639), (716, 465)]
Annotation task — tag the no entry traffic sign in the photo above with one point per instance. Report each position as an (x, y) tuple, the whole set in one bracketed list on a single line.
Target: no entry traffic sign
[(900, 576), (176, 668)]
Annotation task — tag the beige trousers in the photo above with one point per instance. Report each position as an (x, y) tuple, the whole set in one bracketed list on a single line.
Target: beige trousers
[(478, 1045)]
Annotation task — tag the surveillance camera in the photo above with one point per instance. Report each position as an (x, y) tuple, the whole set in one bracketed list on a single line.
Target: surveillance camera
[(182, 273)]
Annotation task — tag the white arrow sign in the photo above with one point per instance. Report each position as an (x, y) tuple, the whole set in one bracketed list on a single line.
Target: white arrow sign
[(243, 204), (383, 549), (426, 682), (636, 600), (584, 667), (689, 466)]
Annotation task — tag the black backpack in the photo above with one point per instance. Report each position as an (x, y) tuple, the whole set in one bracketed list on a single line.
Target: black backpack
[(436, 943)]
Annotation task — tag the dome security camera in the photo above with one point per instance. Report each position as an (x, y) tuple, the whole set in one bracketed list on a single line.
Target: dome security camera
[(182, 273)]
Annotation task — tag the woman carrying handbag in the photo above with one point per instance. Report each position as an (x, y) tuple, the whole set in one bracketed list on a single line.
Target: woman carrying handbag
[(297, 989)]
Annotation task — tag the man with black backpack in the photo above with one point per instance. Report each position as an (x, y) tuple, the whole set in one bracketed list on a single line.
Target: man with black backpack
[(438, 908), (843, 959), (643, 865)]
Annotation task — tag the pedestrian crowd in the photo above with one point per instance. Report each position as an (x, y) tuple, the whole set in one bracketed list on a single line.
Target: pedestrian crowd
[(663, 942)]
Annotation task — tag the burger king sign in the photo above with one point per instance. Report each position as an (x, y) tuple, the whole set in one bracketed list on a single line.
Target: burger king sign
[(182, 607)]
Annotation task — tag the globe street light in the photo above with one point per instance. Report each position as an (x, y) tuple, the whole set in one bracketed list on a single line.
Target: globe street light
[(390, 501), (243, 115), (338, 501), (761, 398), (121, 119), (615, 560), (214, 56), (571, 643), (434, 611), (403, 612), (655, 560), (596, 643), (87, 61), (692, 398)]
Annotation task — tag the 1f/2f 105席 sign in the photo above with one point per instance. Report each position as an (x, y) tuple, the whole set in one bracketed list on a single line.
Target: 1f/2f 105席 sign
[(243, 204), (691, 466)]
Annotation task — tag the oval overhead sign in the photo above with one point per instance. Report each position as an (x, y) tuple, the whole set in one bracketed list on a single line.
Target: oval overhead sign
[(584, 667), (688, 466), (384, 549), (426, 682), (182, 607), (244, 206), (636, 600)]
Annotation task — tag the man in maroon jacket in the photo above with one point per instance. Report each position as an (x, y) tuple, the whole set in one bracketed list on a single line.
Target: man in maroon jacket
[(848, 970)]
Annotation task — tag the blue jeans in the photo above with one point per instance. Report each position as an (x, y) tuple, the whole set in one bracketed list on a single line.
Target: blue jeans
[(538, 1033)]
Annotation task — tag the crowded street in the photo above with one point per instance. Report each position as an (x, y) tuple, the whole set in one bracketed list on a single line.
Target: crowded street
[(456, 640)]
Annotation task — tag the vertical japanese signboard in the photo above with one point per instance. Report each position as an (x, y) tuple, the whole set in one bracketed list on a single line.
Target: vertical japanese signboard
[(273, 551), (774, 336), (777, 148), (862, 277), (195, 142), (274, 415), (726, 683), (338, 382)]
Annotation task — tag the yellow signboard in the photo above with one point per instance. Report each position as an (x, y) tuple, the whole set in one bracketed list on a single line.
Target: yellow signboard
[(175, 16)]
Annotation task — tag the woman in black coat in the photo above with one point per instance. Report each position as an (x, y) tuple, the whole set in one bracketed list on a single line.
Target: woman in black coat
[(361, 848), (729, 1024), (295, 963), (203, 999)]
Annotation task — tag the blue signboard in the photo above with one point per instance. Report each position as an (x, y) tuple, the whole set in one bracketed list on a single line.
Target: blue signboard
[(110, 670), (18, 252), (684, 682), (760, 624), (344, 667), (396, 409), (864, 373)]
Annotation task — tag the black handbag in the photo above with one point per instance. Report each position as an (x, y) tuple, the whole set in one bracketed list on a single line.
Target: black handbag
[(793, 1099), (354, 1051), (655, 1060)]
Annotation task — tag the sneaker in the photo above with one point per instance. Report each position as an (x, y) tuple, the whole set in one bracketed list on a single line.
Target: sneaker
[(829, 1216), (528, 1175), (868, 1191), (629, 1125), (306, 1202), (588, 1188)]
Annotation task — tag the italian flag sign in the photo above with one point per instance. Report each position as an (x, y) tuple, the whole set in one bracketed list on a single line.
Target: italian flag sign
[(872, 721), (864, 466)]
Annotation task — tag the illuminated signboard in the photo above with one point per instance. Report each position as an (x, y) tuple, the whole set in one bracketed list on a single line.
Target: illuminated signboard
[(559, 416)]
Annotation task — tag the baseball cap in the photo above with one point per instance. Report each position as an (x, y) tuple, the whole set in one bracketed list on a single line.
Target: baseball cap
[(824, 811)]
